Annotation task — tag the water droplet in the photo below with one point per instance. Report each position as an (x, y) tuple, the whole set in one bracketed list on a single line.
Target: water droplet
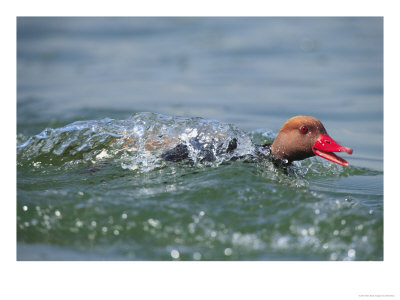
[(78, 223), (317, 211), (228, 251), (124, 216), (303, 232), (57, 213), (80, 193), (93, 223), (371, 211), (202, 213), (359, 227), (213, 234), (311, 231), (175, 254), (343, 222), (196, 256), (325, 246), (336, 232), (104, 229), (24, 208), (153, 222), (351, 253), (116, 232)]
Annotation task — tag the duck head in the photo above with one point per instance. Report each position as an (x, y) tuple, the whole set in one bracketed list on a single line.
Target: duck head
[(304, 136)]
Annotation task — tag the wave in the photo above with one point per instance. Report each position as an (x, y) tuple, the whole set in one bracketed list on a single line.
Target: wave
[(136, 143)]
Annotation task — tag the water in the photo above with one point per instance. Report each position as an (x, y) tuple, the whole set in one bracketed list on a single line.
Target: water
[(80, 197)]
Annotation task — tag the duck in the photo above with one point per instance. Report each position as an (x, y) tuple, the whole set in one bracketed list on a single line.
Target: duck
[(299, 138)]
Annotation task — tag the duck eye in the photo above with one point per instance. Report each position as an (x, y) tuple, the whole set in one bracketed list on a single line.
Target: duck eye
[(304, 129)]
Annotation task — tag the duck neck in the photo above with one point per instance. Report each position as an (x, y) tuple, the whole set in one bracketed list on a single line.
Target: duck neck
[(265, 152)]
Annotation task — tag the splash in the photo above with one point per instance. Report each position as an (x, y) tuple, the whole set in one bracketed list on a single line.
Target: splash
[(137, 143), (142, 141)]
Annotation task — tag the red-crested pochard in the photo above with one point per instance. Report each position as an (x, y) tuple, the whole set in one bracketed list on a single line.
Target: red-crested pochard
[(304, 136)]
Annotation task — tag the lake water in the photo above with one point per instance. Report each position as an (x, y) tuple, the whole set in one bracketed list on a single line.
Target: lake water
[(254, 73)]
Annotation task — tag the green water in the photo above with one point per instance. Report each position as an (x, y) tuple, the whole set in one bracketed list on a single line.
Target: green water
[(136, 206), (253, 73)]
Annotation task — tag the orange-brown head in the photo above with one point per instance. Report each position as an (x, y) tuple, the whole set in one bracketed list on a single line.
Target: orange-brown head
[(304, 136)]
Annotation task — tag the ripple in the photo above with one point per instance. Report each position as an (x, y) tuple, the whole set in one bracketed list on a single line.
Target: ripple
[(175, 254)]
